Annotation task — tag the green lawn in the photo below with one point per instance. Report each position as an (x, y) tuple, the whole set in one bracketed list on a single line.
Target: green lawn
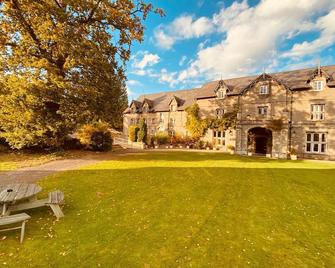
[(185, 209)]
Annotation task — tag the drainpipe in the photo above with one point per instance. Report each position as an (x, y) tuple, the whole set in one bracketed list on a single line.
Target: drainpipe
[(290, 124)]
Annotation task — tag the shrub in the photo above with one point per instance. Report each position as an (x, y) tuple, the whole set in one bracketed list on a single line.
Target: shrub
[(199, 144), (95, 136), (161, 138), (142, 132), (150, 140), (231, 147), (132, 133), (208, 145)]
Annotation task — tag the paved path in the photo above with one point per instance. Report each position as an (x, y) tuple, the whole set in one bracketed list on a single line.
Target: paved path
[(32, 174)]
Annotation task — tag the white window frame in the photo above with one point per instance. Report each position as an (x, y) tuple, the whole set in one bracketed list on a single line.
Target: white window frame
[(318, 112), (219, 137), (316, 143), (264, 89), (221, 93), (262, 110), (318, 85)]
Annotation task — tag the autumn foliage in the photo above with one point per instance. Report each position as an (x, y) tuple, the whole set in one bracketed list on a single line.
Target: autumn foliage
[(62, 65)]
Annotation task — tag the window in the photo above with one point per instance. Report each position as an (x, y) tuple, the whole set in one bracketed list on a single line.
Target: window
[(263, 110), (132, 121), (221, 93), (219, 112), (264, 89), (316, 143), (152, 120), (172, 121), (152, 131), (133, 110), (318, 85), (161, 118), (173, 108), (318, 112), (145, 108), (219, 137)]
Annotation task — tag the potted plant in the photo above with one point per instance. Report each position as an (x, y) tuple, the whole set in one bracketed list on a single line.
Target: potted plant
[(293, 154), (231, 149)]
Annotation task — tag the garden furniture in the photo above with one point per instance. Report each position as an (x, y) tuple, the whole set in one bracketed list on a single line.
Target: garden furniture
[(18, 197), (17, 218)]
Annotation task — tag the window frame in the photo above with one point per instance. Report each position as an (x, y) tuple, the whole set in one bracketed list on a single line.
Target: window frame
[(219, 140), (266, 92), (320, 143), (219, 112), (221, 93), (318, 85), (262, 108), (319, 114)]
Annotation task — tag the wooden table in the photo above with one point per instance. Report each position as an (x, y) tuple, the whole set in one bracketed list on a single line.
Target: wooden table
[(10, 194)]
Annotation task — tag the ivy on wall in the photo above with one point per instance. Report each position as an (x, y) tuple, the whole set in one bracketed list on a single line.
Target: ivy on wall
[(197, 127)]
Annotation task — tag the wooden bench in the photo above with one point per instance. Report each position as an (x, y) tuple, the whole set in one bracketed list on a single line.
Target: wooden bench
[(56, 198), (18, 218), (54, 201)]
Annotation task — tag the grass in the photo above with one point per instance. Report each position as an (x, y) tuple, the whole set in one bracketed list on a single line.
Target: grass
[(184, 209)]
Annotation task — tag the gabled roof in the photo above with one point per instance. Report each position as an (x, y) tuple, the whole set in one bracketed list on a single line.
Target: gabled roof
[(178, 100), (265, 77), (149, 102), (292, 80)]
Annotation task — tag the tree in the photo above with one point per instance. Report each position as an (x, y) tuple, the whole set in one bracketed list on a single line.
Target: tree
[(62, 64), (194, 124)]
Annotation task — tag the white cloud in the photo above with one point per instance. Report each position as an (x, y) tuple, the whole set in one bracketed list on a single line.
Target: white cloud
[(145, 59), (182, 60), (327, 38), (183, 27), (252, 35)]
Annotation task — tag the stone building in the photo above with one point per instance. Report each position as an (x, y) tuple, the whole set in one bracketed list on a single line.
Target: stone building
[(277, 113)]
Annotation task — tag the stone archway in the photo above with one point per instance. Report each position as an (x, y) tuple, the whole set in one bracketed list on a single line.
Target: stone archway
[(260, 140)]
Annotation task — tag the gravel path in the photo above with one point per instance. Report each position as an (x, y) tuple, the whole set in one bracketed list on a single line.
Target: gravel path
[(35, 173)]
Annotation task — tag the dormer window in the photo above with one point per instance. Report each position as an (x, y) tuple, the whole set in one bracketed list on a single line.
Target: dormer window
[(145, 108), (173, 107), (264, 89), (318, 85), (133, 110), (221, 93)]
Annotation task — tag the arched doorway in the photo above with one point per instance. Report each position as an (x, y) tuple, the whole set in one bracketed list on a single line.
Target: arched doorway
[(260, 140)]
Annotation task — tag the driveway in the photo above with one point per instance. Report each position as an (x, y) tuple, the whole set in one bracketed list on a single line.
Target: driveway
[(35, 173)]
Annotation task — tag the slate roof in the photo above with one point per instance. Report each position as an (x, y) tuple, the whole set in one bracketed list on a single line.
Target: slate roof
[(294, 80)]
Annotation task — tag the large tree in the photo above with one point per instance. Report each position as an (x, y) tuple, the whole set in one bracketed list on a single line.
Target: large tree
[(62, 64)]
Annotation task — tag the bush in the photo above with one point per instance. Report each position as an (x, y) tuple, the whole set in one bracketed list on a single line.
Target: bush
[(150, 141), (161, 138), (142, 132), (132, 133), (231, 147), (199, 144), (208, 145), (95, 136)]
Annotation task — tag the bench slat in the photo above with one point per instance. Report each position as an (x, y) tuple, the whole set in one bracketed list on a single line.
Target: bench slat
[(14, 218), (56, 197)]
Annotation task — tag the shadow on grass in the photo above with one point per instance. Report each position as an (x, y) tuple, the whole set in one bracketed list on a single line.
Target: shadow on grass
[(200, 216)]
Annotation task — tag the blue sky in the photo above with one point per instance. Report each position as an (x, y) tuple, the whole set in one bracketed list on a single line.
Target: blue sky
[(201, 40)]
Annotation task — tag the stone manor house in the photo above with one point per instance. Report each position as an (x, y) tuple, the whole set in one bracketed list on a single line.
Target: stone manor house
[(303, 101)]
